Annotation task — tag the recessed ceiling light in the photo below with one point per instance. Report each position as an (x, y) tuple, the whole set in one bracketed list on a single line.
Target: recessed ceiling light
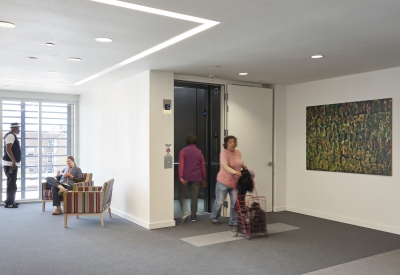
[(103, 40), (74, 59), (7, 25), (32, 57), (7, 85), (204, 24), (243, 73), (50, 44), (317, 56), (52, 72)]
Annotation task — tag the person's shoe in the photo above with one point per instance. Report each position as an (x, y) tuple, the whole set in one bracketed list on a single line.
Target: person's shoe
[(15, 203), (62, 190), (10, 206), (185, 215), (194, 220), (215, 222), (56, 212)]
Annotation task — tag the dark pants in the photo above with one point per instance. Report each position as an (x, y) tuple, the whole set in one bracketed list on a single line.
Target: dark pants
[(54, 189), (194, 190), (11, 175)]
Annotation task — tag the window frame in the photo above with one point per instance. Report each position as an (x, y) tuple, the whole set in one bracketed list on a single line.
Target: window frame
[(50, 157), (74, 136), (50, 142)]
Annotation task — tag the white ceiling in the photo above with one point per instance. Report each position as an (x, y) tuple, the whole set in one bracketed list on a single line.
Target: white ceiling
[(272, 40)]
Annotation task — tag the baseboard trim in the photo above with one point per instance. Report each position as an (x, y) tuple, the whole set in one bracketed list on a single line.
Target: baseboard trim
[(141, 222), (162, 224), (130, 218), (279, 208), (381, 227)]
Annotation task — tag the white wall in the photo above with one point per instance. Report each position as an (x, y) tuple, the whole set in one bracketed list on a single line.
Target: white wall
[(161, 133), (279, 148), (365, 200), (123, 133), (115, 140)]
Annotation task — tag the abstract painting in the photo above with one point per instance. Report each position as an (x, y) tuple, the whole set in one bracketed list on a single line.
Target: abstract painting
[(351, 137)]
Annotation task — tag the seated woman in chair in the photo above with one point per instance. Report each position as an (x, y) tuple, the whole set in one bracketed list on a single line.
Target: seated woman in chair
[(64, 181)]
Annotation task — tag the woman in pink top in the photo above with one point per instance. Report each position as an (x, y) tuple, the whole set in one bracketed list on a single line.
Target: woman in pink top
[(231, 164)]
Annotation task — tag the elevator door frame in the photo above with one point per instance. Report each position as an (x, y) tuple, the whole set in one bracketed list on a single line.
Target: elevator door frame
[(213, 103)]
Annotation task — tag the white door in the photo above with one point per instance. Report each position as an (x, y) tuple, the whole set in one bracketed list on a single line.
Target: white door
[(250, 119)]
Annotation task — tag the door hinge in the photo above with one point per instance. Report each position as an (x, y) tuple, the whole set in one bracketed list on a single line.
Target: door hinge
[(225, 133), (225, 204), (226, 97), (227, 108)]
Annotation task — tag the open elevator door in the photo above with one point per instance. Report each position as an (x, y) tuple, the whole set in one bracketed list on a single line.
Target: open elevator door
[(198, 111), (249, 117)]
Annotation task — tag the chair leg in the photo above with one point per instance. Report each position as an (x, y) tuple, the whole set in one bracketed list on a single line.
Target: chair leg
[(101, 219), (77, 216), (43, 206), (109, 212), (65, 220)]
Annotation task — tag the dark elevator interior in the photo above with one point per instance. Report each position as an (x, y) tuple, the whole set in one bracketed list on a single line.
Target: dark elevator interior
[(198, 111)]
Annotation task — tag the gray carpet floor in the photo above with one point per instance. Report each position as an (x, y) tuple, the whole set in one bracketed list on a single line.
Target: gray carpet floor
[(33, 242)]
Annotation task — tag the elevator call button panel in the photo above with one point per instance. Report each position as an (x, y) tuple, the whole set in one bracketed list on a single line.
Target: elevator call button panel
[(167, 162)]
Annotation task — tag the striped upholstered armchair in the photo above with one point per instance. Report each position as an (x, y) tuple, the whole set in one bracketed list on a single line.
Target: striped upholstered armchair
[(88, 200), (47, 194)]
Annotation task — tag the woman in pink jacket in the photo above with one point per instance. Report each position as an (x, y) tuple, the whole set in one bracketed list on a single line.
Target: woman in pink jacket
[(231, 164)]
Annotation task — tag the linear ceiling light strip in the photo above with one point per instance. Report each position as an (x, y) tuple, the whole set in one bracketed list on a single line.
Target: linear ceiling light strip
[(206, 24), (148, 52), (153, 11)]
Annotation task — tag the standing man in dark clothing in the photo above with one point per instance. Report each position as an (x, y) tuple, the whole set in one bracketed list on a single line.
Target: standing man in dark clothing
[(11, 161)]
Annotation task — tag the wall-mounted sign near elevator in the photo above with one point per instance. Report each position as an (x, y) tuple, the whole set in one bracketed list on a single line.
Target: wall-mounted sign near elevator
[(167, 157), (167, 107)]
